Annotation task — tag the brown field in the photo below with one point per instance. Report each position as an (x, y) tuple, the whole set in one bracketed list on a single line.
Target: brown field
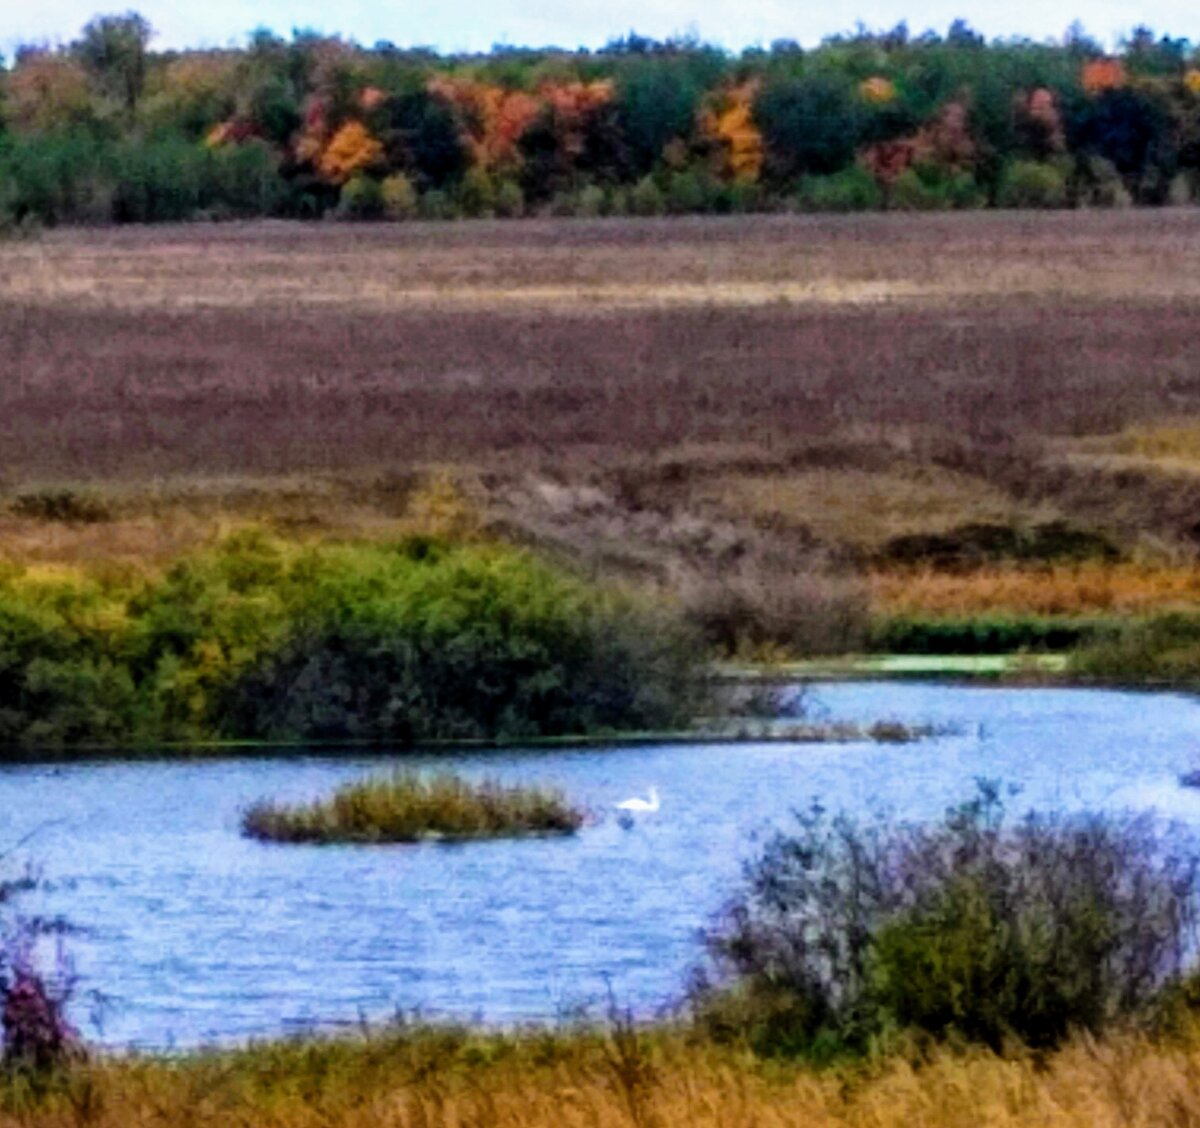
[(669, 399)]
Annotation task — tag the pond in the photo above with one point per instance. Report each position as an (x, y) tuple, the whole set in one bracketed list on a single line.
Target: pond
[(186, 933)]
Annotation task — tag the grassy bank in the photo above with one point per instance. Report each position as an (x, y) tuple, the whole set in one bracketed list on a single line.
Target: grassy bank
[(406, 808)]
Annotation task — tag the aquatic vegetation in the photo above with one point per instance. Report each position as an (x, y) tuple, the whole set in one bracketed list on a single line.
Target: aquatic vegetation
[(407, 808)]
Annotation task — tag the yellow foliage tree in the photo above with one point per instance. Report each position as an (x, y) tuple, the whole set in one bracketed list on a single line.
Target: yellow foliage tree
[(46, 93), (730, 124), (352, 149), (877, 91)]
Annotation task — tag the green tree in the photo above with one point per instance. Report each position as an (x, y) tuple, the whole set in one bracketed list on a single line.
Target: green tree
[(113, 49), (811, 126)]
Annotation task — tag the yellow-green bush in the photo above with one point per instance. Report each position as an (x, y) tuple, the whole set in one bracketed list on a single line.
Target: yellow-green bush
[(413, 641)]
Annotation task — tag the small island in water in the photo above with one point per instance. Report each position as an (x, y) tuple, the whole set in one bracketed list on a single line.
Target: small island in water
[(405, 807)]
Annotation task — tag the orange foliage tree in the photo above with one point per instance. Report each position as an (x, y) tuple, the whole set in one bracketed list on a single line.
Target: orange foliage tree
[(351, 150), (492, 117), (1099, 75), (738, 140)]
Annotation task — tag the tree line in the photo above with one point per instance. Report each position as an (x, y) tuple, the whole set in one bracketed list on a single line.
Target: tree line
[(105, 129)]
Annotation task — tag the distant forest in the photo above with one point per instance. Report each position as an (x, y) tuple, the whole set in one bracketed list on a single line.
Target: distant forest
[(104, 129)]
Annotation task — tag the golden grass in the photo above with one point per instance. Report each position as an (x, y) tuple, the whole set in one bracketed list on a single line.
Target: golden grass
[(588, 1081), (862, 507), (1084, 589), (603, 265)]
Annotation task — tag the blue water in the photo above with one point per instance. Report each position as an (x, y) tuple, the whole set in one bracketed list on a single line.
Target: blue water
[(192, 934)]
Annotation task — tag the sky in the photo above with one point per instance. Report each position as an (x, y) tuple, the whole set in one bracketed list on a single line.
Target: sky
[(453, 25)]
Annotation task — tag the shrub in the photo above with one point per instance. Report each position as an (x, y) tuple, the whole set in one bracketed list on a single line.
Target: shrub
[(929, 189), (399, 197), (415, 641), (851, 190), (979, 927), (406, 808), (590, 202), (510, 200), (1032, 184), (988, 634), (764, 606), (477, 194), (1097, 184), (1165, 649), (61, 505), (685, 194), (646, 198), (361, 198), (436, 204)]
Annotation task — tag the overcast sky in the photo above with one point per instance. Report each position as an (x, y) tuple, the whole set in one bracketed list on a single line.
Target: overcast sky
[(477, 24)]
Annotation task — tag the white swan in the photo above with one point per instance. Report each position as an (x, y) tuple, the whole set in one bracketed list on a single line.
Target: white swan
[(650, 804)]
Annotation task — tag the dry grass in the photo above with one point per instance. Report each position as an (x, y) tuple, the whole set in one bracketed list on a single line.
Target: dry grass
[(1084, 589), (860, 507), (636, 1080), (274, 350), (674, 401)]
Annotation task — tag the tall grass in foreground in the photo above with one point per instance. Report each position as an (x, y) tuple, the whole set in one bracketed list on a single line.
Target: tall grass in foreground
[(455, 1079), (407, 808)]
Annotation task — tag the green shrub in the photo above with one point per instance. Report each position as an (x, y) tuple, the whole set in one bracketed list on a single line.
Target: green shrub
[(646, 198), (686, 194), (978, 928), (477, 195), (510, 200), (1165, 649), (361, 198), (852, 190), (985, 634), (243, 180), (160, 181), (399, 197), (59, 179), (408, 642), (741, 198), (925, 188), (590, 202), (406, 808), (1032, 184), (436, 204)]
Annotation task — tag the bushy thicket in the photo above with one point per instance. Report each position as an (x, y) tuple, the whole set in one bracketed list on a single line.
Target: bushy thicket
[(414, 641), (1164, 648), (980, 928), (986, 634), (104, 129)]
